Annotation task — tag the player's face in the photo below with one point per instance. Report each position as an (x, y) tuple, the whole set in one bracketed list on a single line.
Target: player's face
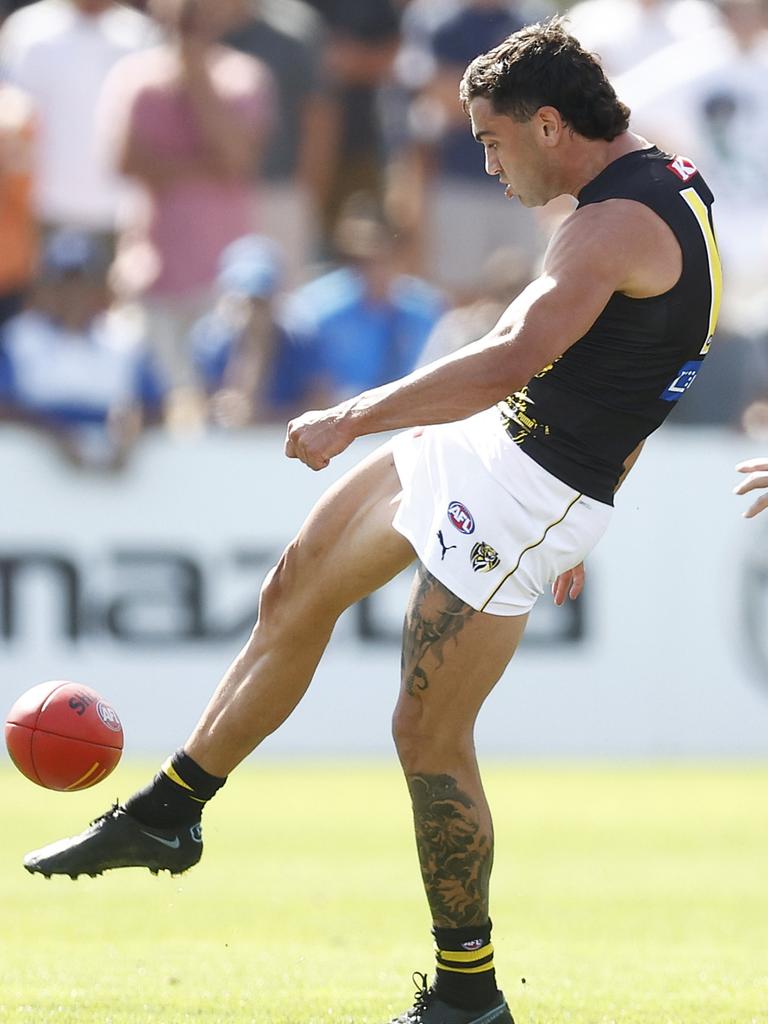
[(513, 152)]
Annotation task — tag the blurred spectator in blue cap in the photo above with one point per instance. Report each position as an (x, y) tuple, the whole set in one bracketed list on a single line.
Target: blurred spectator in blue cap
[(248, 360), (365, 322), (73, 366)]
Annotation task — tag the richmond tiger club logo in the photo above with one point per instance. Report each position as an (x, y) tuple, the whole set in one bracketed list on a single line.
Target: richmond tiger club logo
[(484, 558), (461, 517)]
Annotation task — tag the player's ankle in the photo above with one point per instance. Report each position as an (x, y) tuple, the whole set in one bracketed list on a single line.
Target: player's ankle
[(465, 976), (177, 794)]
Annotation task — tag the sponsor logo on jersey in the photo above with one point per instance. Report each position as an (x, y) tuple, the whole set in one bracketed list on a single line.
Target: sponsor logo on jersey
[(108, 716), (484, 558), (461, 517), (684, 168), (686, 375)]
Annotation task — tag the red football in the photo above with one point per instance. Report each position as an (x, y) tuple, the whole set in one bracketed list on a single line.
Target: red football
[(63, 736)]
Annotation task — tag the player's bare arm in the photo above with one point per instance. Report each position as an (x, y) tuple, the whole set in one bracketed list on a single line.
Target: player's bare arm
[(616, 246)]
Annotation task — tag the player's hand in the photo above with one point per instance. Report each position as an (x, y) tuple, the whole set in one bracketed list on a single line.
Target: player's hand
[(317, 436), (757, 477), (568, 584)]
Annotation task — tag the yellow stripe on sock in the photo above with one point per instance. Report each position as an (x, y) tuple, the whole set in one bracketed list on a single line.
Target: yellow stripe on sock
[(174, 776), (465, 957), (467, 970)]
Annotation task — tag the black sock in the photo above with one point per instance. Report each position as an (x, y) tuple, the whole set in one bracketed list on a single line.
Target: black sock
[(465, 977), (176, 795)]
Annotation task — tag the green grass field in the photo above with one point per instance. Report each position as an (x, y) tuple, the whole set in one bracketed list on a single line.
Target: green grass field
[(621, 894)]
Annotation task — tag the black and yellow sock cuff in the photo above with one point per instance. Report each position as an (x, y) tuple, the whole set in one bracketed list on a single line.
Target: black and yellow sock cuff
[(473, 961), (169, 770), (198, 785)]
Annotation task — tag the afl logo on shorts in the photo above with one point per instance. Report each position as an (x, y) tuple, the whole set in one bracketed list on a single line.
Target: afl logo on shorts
[(484, 557), (461, 517)]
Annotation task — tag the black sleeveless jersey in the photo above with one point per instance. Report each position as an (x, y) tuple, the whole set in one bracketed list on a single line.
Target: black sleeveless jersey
[(582, 416)]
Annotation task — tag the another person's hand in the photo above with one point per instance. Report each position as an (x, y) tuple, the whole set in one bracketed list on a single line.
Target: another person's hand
[(316, 437), (757, 470), (568, 584)]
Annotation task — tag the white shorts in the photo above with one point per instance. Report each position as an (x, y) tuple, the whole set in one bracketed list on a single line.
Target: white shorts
[(485, 519)]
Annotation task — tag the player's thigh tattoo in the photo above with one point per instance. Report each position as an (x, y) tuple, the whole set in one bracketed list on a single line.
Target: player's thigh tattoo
[(435, 617), (455, 853)]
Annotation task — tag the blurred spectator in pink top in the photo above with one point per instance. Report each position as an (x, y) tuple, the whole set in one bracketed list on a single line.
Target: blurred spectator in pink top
[(188, 120)]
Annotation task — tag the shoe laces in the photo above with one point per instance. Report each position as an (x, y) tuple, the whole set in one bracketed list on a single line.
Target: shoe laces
[(422, 997), (107, 814)]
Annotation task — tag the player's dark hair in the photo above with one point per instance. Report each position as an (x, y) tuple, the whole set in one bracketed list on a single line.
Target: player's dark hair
[(543, 65)]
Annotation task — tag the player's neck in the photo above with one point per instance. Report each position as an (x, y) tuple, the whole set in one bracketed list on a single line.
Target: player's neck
[(593, 156)]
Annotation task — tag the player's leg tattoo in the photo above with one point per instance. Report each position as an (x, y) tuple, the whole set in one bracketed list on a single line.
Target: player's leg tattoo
[(434, 617), (455, 850), (452, 656)]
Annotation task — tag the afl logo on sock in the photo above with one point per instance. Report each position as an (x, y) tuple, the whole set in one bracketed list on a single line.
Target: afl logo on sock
[(461, 517)]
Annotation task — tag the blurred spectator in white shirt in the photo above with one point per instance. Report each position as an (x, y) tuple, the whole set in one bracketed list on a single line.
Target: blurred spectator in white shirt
[(626, 32), (60, 52), (709, 98), (72, 366)]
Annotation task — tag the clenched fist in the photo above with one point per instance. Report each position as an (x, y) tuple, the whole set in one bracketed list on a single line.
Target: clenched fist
[(317, 436)]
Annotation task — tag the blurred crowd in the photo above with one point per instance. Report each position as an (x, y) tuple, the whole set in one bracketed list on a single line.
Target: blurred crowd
[(219, 213)]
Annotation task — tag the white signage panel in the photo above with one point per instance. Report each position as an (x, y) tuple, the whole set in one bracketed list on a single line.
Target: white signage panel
[(143, 585)]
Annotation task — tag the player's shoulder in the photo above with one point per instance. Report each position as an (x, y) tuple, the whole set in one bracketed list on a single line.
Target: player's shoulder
[(621, 242), (611, 220)]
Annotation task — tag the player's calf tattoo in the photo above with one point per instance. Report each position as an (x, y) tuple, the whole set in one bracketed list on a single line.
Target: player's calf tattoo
[(434, 617), (455, 854)]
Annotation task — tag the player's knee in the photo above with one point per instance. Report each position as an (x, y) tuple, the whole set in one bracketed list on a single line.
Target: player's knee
[(424, 738), (291, 591), (279, 585)]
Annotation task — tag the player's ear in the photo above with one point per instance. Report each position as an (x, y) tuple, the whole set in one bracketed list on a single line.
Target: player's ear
[(550, 125)]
